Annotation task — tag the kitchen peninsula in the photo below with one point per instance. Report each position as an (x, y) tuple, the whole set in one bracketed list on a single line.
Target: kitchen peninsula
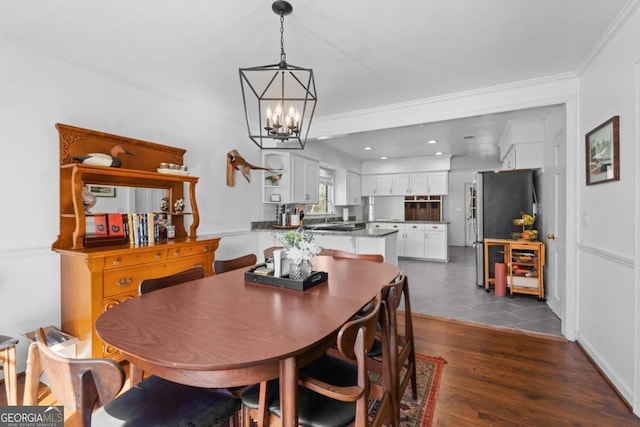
[(350, 236)]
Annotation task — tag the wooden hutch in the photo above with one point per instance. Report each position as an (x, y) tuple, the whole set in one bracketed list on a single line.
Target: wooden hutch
[(94, 279)]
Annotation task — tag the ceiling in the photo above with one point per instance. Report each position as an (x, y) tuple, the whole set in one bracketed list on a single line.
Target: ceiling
[(364, 53)]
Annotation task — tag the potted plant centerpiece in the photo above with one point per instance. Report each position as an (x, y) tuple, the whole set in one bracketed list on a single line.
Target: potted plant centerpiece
[(300, 247)]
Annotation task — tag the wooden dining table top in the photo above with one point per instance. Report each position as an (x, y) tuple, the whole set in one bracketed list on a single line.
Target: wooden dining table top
[(222, 331)]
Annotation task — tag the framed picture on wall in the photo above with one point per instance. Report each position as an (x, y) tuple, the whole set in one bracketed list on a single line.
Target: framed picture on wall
[(102, 190), (603, 152)]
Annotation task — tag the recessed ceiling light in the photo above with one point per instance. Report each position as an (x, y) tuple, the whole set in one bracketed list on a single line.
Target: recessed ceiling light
[(432, 141), (438, 153), (320, 138), (368, 148), (383, 158)]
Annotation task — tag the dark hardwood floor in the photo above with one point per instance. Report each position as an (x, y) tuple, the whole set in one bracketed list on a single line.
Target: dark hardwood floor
[(502, 377)]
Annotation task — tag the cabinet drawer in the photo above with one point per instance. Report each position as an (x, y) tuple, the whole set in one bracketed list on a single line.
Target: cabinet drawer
[(188, 250), (435, 227), (119, 261), (127, 279), (408, 227)]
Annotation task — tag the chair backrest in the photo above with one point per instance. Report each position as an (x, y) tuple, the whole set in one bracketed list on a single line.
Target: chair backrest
[(81, 385), (221, 266), (149, 285), (338, 254)]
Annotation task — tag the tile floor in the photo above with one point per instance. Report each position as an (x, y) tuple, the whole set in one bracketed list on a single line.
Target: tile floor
[(449, 290)]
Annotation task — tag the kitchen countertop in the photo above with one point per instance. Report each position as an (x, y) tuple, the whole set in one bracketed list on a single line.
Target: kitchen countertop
[(363, 232), (408, 222)]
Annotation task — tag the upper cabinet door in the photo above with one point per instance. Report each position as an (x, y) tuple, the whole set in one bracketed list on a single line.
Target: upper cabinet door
[(418, 184), (400, 185), (369, 185), (347, 188), (304, 180), (384, 185), (298, 180), (438, 183), (312, 182)]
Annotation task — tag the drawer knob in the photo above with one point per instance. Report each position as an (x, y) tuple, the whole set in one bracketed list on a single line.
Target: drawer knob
[(176, 253), (157, 256), (116, 262), (124, 282), (205, 249), (198, 264)]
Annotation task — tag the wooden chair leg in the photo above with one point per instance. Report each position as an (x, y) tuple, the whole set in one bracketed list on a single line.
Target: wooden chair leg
[(135, 375), (10, 375), (32, 376)]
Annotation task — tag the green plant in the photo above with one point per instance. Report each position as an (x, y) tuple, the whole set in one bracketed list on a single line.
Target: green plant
[(273, 179)]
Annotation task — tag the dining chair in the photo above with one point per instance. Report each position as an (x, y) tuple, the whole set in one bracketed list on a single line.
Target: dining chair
[(148, 285), (221, 266), (333, 391), (8, 360), (402, 357), (89, 387), (338, 254)]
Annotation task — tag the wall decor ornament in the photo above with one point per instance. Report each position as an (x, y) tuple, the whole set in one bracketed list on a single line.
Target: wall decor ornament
[(602, 149), (235, 162)]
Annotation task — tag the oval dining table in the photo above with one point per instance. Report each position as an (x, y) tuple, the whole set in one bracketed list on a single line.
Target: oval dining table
[(222, 331)]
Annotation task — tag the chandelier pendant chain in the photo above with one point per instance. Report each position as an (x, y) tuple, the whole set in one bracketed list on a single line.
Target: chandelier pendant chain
[(283, 56), (292, 88)]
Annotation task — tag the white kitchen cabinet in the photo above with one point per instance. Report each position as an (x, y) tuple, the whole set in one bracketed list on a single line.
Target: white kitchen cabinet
[(377, 185), (524, 156), (437, 183), (435, 242), (299, 182), (399, 184), (414, 240), (384, 185), (369, 185), (418, 184), (406, 184), (305, 180), (347, 188)]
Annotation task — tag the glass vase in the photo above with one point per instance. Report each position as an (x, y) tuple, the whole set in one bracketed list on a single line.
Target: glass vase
[(300, 271), (88, 199)]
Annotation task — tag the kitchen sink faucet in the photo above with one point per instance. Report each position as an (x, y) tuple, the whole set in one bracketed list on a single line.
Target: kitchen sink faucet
[(329, 211)]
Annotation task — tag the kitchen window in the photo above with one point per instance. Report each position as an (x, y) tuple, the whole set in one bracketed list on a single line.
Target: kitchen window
[(326, 194)]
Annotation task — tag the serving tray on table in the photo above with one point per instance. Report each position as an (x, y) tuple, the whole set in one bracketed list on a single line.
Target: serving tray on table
[(316, 278)]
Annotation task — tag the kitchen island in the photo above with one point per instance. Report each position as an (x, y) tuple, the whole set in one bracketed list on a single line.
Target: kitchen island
[(423, 240), (341, 236)]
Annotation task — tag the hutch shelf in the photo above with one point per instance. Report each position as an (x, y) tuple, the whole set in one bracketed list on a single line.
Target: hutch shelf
[(98, 278)]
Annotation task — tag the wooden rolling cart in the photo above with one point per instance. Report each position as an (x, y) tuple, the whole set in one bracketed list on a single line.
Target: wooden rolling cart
[(525, 263), (525, 267)]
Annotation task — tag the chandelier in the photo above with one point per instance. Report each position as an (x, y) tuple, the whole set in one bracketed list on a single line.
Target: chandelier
[(280, 99)]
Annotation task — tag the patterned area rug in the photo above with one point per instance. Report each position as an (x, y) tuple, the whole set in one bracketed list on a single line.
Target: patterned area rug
[(420, 413)]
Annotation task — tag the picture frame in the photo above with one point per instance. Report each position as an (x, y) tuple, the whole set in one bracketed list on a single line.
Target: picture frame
[(602, 149), (102, 190)]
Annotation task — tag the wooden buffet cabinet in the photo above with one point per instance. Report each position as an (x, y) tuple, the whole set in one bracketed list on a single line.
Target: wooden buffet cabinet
[(97, 278)]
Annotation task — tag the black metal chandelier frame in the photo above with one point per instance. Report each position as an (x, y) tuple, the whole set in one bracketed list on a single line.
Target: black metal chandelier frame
[(281, 79)]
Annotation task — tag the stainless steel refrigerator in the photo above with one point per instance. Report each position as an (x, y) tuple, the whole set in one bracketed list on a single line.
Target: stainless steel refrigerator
[(501, 196)]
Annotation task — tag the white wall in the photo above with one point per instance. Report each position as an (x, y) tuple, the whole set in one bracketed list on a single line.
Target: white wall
[(39, 91), (608, 305)]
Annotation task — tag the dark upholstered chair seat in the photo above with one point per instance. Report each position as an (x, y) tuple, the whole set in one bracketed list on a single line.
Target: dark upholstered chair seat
[(158, 402), (313, 409)]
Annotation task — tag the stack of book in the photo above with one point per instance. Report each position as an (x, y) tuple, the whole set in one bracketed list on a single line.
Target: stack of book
[(121, 228)]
